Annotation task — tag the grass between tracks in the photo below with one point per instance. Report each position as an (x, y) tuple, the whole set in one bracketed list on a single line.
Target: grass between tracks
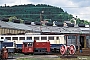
[(78, 58)]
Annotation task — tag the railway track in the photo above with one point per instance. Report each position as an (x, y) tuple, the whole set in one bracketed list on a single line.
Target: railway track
[(85, 52)]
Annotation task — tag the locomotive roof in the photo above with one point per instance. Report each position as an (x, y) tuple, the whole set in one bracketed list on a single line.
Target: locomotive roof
[(1, 40), (28, 40)]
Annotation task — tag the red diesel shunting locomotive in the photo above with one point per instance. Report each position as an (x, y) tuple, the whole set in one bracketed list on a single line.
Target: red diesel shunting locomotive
[(31, 46)]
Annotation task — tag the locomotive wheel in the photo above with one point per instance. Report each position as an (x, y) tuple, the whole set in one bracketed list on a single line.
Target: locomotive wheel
[(26, 53), (32, 53)]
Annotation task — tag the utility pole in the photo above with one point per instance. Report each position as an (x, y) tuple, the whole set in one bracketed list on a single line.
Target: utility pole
[(89, 31), (20, 1), (41, 18)]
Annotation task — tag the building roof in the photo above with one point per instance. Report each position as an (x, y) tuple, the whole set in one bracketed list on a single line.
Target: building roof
[(38, 28)]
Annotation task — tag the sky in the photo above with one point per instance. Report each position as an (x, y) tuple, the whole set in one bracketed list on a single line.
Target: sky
[(79, 8)]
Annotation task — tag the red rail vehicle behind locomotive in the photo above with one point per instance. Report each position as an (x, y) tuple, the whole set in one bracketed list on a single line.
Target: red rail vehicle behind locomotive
[(31, 46)]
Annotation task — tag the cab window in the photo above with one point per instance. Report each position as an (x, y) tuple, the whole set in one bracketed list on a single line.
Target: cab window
[(29, 44), (25, 44)]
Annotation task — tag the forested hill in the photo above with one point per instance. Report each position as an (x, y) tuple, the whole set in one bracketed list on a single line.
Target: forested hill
[(38, 12), (32, 12)]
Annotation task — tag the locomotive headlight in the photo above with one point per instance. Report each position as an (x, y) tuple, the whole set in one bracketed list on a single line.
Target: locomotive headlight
[(29, 48)]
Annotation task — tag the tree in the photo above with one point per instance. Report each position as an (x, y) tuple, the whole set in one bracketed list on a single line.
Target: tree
[(21, 21), (11, 18), (86, 22), (72, 21), (78, 21)]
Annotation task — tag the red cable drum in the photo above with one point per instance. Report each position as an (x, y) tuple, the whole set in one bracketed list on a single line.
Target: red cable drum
[(63, 49), (72, 49)]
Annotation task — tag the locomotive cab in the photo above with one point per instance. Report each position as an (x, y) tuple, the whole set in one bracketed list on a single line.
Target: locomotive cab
[(27, 46)]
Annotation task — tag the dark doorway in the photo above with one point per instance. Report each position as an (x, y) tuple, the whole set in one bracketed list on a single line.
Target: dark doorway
[(82, 41)]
